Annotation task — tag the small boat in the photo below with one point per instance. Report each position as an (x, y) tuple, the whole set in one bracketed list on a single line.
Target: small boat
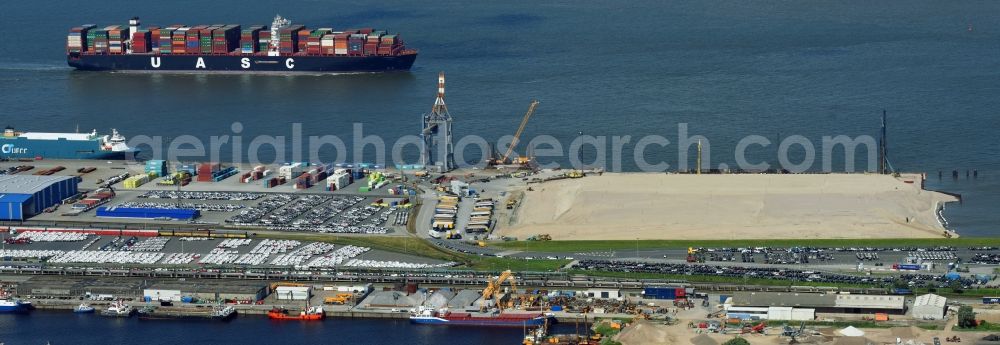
[(83, 308), (118, 309), (223, 313), (309, 314)]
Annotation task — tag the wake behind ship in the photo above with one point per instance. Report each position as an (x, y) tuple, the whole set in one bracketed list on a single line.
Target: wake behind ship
[(282, 48)]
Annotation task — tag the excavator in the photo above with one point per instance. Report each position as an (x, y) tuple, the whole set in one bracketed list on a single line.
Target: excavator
[(540, 237), (759, 328), (493, 288), (792, 333), (505, 159), (691, 255)]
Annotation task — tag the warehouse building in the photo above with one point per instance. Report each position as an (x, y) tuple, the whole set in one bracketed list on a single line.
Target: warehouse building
[(822, 303), (23, 196), (99, 288), (161, 295), (929, 307), (771, 313), (211, 290), (293, 293)]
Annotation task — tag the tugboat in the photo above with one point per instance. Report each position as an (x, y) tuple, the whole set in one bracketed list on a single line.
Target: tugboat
[(307, 314), (118, 309), (83, 308)]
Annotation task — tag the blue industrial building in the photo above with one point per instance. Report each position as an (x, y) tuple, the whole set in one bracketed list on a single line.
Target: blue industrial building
[(147, 213), (23, 196)]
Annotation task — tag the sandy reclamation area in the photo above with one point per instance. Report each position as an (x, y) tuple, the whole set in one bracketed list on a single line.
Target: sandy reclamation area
[(738, 206), (647, 333)]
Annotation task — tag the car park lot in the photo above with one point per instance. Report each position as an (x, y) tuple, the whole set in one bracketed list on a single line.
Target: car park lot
[(327, 213), (168, 251), (913, 279)]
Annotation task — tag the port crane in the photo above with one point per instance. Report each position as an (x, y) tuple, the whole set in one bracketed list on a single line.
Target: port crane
[(493, 288), (505, 159)]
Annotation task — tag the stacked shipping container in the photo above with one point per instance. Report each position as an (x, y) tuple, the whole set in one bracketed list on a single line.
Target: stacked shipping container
[(116, 38), (356, 44), (205, 39), (95, 200), (192, 39), (372, 42), (313, 41), (303, 35), (97, 41), (141, 41), (288, 39), (178, 42), (76, 42), (213, 172), (264, 42), (249, 39), (156, 167), (224, 39), (664, 293)]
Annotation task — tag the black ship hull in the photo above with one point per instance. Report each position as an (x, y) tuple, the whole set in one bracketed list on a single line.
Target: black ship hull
[(241, 64)]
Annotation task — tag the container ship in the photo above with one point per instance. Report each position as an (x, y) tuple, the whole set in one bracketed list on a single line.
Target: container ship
[(280, 48), (39, 145), (430, 316)]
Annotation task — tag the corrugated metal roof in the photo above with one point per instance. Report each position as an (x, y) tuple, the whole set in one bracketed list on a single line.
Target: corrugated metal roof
[(870, 301), (28, 184), (783, 299), (930, 299), (14, 197)]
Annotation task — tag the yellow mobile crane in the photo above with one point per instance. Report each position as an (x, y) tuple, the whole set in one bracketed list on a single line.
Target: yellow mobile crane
[(505, 159), (493, 288)]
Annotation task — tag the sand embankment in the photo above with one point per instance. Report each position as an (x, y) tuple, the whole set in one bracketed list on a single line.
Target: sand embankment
[(751, 206)]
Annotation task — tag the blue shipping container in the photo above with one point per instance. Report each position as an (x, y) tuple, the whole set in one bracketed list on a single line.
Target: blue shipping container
[(660, 293), (991, 300)]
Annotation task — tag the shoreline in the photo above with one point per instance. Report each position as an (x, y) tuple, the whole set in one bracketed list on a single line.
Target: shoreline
[(261, 311)]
